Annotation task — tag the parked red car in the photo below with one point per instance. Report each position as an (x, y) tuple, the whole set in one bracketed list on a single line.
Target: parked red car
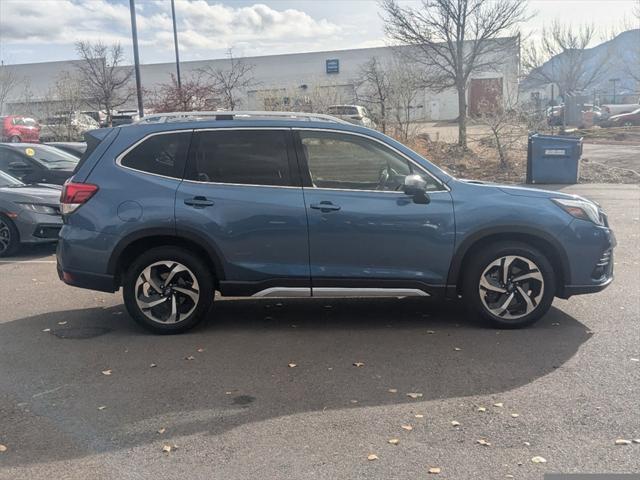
[(15, 128)]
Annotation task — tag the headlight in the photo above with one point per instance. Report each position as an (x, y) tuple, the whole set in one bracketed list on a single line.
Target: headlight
[(582, 209), (34, 207)]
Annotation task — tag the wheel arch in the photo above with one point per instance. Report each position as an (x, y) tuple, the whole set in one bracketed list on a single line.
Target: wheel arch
[(531, 236), (135, 243)]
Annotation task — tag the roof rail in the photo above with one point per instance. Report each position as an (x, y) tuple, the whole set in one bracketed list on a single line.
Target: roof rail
[(236, 115)]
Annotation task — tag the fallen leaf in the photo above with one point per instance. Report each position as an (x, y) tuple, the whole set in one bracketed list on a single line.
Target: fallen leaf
[(419, 415), (372, 456), (293, 365), (555, 324), (116, 313), (430, 332), (435, 470), (482, 441), (62, 323), (153, 365), (106, 372), (499, 404), (393, 390), (414, 395), (200, 350), (166, 448), (539, 460), (509, 476), (408, 428), (190, 357), (393, 441), (526, 444), (162, 430), (622, 441), (454, 423), (46, 330), (482, 409), (635, 359), (457, 349), (515, 415), (102, 407), (3, 448), (358, 364), (354, 401)]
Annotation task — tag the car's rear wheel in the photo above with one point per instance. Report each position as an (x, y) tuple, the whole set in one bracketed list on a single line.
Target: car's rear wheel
[(168, 290), (14, 139), (9, 237), (510, 284)]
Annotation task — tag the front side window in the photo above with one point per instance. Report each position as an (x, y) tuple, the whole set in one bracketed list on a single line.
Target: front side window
[(246, 157), (162, 154), (342, 161)]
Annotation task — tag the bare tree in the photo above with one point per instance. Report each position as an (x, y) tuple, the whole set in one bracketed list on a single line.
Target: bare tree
[(375, 90), (454, 39), (192, 95), (105, 82), (229, 82), (405, 85), (561, 57), (62, 106), (8, 81)]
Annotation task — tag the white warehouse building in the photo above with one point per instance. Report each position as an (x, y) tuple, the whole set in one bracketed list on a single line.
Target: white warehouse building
[(290, 79)]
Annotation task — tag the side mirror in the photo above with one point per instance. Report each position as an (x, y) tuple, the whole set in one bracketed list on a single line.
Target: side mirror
[(19, 167), (415, 186)]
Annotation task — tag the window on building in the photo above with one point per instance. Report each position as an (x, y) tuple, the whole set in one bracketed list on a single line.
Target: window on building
[(162, 154), (247, 157)]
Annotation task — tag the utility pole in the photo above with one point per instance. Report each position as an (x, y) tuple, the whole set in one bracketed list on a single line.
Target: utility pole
[(175, 43), (136, 58)]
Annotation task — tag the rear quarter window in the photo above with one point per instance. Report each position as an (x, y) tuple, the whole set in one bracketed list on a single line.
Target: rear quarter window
[(160, 154)]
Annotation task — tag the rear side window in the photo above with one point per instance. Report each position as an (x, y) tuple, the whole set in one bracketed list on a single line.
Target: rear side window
[(247, 157), (162, 154)]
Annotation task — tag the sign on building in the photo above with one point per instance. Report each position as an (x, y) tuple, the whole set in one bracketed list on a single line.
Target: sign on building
[(333, 65)]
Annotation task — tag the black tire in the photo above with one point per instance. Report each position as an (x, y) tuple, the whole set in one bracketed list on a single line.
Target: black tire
[(483, 258), (10, 243), (196, 267), (14, 139)]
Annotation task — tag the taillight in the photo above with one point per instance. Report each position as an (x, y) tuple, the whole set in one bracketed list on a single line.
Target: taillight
[(75, 194)]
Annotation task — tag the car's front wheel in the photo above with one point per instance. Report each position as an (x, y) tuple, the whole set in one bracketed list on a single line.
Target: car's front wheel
[(9, 237), (510, 284), (168, 290)]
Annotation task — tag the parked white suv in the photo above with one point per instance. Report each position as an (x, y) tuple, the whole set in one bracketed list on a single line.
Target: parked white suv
[(356, 114)]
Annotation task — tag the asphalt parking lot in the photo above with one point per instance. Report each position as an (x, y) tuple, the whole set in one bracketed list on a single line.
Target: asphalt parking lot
[(86, 394)]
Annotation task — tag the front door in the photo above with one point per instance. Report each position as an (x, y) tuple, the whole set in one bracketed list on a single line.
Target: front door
[(242, 194), (364, 232)]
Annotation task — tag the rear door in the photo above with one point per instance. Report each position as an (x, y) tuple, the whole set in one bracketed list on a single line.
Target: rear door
[(242, 193)]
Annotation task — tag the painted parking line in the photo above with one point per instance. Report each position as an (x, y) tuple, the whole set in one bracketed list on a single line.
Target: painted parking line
[(27, 261)]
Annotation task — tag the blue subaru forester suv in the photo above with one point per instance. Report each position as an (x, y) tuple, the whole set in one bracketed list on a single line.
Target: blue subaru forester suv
[(178, 207)]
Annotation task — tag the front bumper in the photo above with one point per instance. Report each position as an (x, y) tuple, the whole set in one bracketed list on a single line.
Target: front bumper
[(38, 227)]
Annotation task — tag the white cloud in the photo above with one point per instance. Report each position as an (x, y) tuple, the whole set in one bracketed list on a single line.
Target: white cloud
[(202, 26)]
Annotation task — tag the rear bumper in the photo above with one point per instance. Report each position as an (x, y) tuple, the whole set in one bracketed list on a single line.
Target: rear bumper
[(91, 281)]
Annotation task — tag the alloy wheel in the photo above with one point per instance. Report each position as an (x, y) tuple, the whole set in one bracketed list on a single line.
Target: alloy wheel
[(167, 292), (5, 237), (511, 287)]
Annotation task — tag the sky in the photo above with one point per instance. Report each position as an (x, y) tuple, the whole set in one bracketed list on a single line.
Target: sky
[(46, 30)]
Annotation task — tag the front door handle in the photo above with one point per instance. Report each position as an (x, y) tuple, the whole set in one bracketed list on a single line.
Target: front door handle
[(198, 202), (325, 206)]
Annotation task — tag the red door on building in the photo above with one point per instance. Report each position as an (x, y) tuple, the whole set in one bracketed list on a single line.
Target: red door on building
[(485, 94)]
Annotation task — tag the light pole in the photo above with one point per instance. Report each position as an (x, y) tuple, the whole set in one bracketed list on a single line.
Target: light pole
[(175, 43), (136, 59)]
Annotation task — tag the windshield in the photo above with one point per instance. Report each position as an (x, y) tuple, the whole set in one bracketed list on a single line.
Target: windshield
[(7, 180), (50, 157)]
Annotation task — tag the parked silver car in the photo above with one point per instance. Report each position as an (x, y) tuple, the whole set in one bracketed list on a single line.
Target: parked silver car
[(28, 213), (356, 114)]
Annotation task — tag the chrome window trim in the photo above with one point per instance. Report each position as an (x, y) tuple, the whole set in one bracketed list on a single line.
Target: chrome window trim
[(384, 144)]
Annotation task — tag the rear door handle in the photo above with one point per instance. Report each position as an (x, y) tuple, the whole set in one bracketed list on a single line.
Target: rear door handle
[(325, 206), (198, 202)]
